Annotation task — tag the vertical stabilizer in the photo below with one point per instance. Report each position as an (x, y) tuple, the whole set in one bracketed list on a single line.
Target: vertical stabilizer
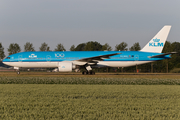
[(157, 43)]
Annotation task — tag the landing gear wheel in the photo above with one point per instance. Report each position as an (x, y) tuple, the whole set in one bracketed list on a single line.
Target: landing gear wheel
[(85, 72), (91, 72), (88, 73)]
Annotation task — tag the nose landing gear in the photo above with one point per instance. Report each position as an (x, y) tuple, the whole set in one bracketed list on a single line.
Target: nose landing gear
[(18, 72)]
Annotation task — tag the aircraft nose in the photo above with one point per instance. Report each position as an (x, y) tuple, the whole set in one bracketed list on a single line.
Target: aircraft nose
[(6, 61), (3, 61)]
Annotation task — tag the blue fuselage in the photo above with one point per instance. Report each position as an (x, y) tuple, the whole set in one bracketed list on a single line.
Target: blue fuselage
[(59, 56), (55, 58)]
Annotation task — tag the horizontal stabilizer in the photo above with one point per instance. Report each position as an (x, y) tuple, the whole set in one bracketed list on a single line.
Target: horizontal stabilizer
[(162, 55)]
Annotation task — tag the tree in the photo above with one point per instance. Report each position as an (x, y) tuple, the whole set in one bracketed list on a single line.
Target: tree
[(173, 47), (2, 55), (60, 47), (167, 47), (72, 48), (80, 47), (122, 47), (176, 46), (135, 47), (28, 47), (44, 47), (106, 47), (14, 48), (93, 46)]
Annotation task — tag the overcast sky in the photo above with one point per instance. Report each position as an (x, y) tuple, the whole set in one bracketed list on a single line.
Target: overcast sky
[(79, 21)]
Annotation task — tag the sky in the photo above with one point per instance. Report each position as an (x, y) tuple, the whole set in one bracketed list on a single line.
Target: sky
[(71, 22)]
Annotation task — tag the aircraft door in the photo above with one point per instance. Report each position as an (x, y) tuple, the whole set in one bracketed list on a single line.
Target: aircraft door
[(48, 58), (136, 57), (12, 59), (20, 58)]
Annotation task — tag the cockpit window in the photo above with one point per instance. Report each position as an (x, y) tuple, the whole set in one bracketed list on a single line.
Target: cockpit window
[(8, 58)]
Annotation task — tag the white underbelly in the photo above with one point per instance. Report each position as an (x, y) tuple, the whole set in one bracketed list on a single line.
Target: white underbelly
[(121, 63), (55, 64), (32, 64)]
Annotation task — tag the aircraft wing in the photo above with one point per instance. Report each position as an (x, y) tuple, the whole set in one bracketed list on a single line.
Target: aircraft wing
[(162, 55), (97, 58)]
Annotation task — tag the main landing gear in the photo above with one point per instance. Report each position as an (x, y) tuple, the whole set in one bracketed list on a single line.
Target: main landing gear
[(88, 72)]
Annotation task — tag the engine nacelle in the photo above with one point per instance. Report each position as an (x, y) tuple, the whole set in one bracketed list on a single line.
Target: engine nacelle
[(65, 66)]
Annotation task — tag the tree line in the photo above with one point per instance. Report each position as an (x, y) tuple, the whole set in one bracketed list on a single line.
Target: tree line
[(89, 46), (159, 66)]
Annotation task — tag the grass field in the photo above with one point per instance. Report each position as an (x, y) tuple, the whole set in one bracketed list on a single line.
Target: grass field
[(98, 75), (73, 96), (100, 79), (27, 101)]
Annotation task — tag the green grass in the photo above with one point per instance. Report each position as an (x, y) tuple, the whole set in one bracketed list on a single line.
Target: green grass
[(57, 101), (89, 80)]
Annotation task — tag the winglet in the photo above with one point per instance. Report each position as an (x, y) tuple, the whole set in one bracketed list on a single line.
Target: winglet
[(157, 43)]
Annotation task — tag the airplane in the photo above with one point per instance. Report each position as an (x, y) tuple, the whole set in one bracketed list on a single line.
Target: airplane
[(66, 61)]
